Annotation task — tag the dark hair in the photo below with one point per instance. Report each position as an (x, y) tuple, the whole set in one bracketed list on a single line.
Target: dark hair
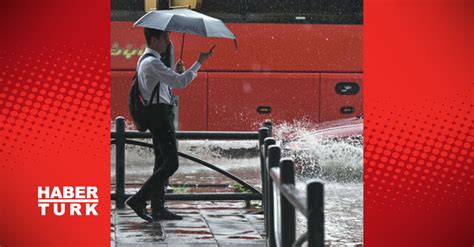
[(150, 32), (166, 56)]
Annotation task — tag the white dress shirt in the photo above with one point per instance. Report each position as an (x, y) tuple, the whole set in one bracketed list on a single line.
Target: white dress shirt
[(152, 70)]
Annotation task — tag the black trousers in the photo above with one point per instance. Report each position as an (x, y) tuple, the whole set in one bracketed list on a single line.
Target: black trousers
[(161, 125)]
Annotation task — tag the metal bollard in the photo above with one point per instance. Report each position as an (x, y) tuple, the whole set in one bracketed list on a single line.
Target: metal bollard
[(262, 134), (288, 221), (268, 124), (274, 154), (120, 162), (315, 195), (268, 141)]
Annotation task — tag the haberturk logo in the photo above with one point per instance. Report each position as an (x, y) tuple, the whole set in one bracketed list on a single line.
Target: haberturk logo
[(68, 200)]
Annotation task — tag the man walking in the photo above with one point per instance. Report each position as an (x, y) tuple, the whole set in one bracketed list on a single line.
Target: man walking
[(155, 83)]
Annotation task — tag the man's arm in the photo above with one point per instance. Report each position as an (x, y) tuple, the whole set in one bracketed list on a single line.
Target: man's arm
[(156, 70)]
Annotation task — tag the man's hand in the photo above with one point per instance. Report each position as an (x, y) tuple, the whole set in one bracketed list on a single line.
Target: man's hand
[(179, 67), (205, 55)]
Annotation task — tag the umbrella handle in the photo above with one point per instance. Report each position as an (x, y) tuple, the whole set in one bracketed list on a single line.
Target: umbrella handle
[(182, 48)]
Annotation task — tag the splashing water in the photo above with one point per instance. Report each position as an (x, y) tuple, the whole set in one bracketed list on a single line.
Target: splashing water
[(332, 159), (338, 162)]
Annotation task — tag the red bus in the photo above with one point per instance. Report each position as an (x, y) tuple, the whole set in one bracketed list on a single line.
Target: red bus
[(296, 60)]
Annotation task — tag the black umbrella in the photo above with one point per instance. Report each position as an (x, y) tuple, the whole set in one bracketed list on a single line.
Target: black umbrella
[(185, 21)]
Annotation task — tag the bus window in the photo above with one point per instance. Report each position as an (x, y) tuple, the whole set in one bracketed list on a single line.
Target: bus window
[(226, 10), (285, 11), (127, 10), (260, 11)]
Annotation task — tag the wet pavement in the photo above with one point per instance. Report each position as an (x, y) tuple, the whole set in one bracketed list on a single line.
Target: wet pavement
[(227, 223), (204, 224)]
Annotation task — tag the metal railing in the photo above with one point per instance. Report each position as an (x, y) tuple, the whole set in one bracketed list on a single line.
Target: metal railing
[(281, 198), (121, 137)]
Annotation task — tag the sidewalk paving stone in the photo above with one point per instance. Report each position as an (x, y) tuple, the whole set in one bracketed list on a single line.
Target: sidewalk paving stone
[(204, 224)]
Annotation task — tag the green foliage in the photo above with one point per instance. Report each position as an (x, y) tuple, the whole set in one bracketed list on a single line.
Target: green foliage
[(248, 204), (180, 189), (241, 188)]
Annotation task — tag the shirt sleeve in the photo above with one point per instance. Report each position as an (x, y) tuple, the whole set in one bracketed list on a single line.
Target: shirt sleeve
[(158, 71)]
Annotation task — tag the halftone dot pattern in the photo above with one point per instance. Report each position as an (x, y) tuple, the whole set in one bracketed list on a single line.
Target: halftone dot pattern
[(54, 118), (419, 156), (418, 114), (53, 99)]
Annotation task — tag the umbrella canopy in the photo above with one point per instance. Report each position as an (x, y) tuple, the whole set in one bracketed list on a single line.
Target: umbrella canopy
[(185, 21)]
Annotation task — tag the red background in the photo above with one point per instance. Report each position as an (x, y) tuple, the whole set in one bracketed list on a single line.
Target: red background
[(54, 117), (418, 87), (418, 68)]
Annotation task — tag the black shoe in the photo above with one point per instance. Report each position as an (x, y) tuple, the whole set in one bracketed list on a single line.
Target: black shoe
[(165, 214), (139, 207)]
